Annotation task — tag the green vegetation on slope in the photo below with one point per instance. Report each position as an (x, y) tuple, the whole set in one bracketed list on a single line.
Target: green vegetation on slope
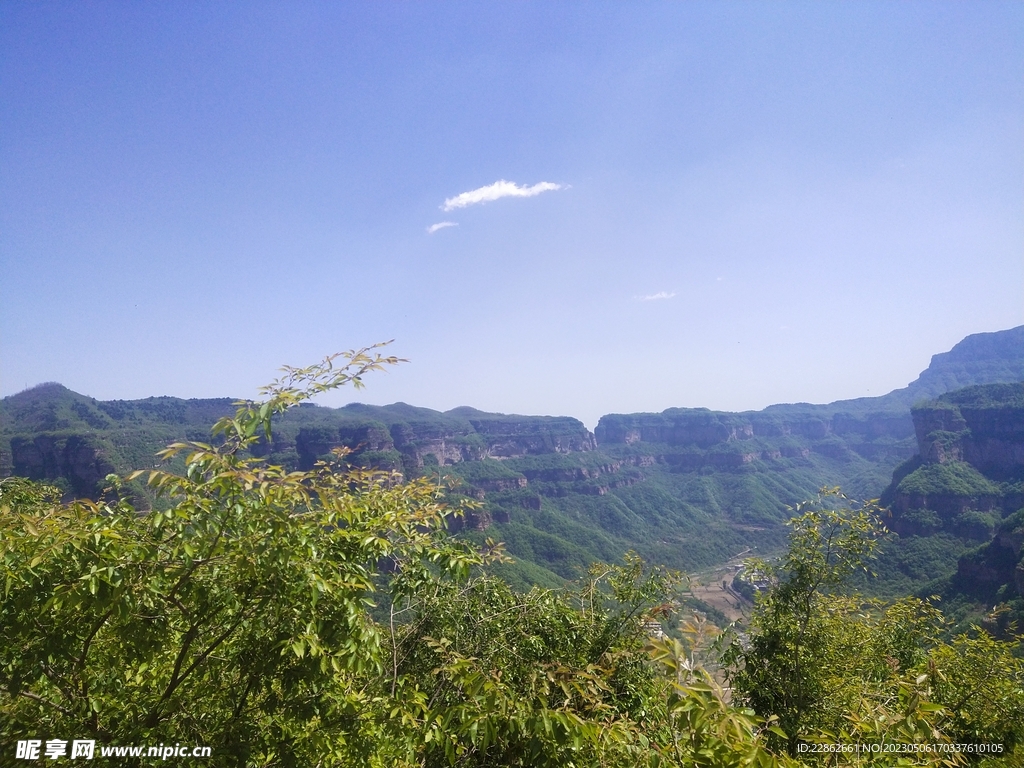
[(956, 478), (832, 666), (242, 617), (687, 487), (956, 507)]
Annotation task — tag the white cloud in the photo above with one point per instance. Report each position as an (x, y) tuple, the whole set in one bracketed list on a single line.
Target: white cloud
[(496, 191), (657, 296), (441, 225)]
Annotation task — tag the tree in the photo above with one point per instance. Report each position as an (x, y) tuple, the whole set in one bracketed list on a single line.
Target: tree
[(491, 677), (841, 669), (242, 617), (781, 672), (981, 684), (238, 618), (545, 678)]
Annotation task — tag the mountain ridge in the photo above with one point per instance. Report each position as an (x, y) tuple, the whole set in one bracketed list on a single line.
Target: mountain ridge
[(687, 487)]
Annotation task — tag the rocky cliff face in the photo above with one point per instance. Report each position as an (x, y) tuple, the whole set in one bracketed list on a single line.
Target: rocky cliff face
[(446, 439), (693, 438), (987, 433), (970, 460), (998, 563), (703, 428), (510, 437), (74, 459), (962, 495)]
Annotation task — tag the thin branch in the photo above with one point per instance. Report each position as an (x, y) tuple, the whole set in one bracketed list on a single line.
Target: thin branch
[(41, 700), (85, 650), (172, 684), (56, 681), (178, 677), (394, 650)]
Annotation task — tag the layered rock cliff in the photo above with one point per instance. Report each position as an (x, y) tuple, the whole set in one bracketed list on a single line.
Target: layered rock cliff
[(418, 437), (970, 458), (78, 461), (695, 437)]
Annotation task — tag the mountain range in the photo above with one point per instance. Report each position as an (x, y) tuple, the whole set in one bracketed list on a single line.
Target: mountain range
[(687, 487)]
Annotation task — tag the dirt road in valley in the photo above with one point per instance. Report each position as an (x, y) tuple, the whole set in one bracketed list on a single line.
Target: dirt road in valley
[(714, 587)]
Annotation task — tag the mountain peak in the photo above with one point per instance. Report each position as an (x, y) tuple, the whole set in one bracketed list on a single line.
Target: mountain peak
[(981, 358)]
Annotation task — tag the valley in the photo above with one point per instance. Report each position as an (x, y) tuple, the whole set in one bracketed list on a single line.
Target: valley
[(687, 488)]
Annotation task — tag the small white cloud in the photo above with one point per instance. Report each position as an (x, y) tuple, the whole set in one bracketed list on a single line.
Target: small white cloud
[(496, 191), (441, 225), (657, 296)]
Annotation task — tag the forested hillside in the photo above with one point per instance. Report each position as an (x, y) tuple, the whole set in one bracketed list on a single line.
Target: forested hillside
[(326, 617), (687, 487), (957, 506)]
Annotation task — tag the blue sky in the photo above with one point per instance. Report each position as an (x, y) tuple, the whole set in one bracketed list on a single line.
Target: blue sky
[(755, 202)]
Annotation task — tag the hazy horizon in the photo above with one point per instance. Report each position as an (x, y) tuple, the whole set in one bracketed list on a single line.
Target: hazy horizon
[(560, 210), (590, 425)]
